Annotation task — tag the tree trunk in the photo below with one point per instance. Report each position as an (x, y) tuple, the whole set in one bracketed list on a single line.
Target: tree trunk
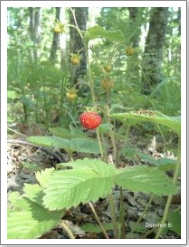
[(76, 43), (135, 15), (34, 14), (55, 41), (152, 57)]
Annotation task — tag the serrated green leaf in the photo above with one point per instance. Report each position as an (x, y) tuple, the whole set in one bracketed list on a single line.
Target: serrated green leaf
[(93, 164), (31, 222), (145, 179), (16, 202), (68, 188), (174, 123), (33, 192), (43, 176)]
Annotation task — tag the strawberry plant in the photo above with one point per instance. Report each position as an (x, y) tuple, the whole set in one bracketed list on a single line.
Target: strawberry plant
[(100, 172)]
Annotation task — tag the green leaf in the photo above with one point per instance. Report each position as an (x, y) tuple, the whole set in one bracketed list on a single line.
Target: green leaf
[(31, 166), (31, 221), (83, 145), (33, 192), (95, 32), (43, 176), (68, 188), (12, 94), (163, 163), (105, 128), (174, 219), (16, 202), (130, 152), (137, 227), (133, 118), (99, 32), (96, 165), (89, 227), (50, 141), (145, 179), (66, 133)]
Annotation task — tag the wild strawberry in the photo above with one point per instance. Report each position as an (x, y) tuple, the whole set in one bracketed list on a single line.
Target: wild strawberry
[(107, 84), (129, 51), (90, 120), (59, 27), (75, 59), (71, 94), (108, 68)]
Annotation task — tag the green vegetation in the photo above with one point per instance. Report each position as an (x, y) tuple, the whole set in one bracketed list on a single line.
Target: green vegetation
[(57, 70)]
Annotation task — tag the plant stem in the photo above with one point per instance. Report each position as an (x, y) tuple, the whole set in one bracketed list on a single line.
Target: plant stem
[(144, 212), (100, 144), (169, 198), (122, 216), (114, 220), (148, 232), (67, 230), (98, 220)]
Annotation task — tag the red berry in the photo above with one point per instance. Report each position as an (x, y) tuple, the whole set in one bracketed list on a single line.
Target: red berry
[(90, 120)]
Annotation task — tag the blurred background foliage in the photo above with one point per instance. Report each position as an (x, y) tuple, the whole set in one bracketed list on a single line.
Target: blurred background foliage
[(140, 46)]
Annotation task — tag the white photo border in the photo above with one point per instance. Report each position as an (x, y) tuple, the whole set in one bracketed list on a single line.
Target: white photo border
[(43, 4)]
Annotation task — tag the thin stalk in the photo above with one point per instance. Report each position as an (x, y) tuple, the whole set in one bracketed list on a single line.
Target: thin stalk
[(100, 144), (114, 220), (104, 151), (67, 230), (169, 198), (122, 217), (98, 220), (70, 156), (144, 212), (148, 232)]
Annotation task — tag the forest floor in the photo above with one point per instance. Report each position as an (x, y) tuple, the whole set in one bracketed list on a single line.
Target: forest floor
[(81, 220)]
